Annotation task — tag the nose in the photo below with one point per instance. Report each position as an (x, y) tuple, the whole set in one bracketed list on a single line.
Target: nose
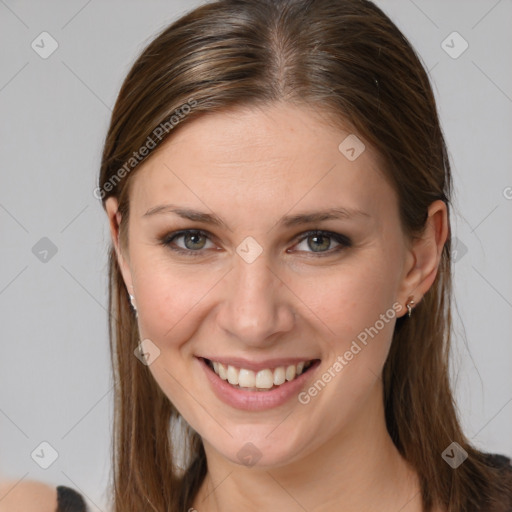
[(256, 304)]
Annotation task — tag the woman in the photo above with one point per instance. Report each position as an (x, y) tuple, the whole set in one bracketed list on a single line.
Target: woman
[(278, 192)]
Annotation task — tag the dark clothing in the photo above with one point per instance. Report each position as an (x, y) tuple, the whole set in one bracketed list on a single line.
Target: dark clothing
[(69, 500), (504, 502)]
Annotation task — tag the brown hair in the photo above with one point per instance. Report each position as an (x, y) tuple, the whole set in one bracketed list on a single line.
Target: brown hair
[(346, 58)]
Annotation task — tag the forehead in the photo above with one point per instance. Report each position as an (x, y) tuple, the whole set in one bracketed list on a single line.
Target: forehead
[(272, 158)]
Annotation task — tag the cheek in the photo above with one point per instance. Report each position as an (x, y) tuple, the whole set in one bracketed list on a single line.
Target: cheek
[(355, 306), (171, 309), (350, 297), (170, 300)]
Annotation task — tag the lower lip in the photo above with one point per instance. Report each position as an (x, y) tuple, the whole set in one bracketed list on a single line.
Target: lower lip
[(256, 400)]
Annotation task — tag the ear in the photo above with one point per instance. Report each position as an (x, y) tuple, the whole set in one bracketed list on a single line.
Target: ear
[(114, 217), (424, 255)]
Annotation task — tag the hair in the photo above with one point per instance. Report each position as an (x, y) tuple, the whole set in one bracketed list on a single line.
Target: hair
[(347, 60)]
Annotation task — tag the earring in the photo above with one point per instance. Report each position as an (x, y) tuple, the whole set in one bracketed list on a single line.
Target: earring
[(410, 305), (132, 300)]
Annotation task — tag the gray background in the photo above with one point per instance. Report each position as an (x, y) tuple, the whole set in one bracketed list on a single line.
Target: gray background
[(54, 370)]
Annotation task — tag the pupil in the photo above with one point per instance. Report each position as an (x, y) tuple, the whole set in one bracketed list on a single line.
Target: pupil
[(325, 245), (191, 237)]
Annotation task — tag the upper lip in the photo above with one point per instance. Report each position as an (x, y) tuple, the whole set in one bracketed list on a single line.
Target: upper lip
[(240, 362)]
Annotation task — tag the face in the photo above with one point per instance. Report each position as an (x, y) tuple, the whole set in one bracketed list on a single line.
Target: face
[(254, 241)]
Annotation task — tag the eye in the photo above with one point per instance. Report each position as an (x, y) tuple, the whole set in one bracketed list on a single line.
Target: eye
[(192, 241), (320, 242)]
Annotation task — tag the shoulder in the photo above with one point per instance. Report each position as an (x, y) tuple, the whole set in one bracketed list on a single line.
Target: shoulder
[(32, 496), (27, 496)]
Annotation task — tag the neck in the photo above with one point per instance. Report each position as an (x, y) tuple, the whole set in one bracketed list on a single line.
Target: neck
[(357, 469)]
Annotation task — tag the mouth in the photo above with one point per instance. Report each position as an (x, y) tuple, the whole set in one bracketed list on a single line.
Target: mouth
[(258, 386), (262, 380)]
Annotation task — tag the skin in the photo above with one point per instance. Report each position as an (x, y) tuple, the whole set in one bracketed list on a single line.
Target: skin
[(27, 496), (252, 166)]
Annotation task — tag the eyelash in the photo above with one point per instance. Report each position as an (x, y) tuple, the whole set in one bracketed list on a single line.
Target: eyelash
[(344, 241)]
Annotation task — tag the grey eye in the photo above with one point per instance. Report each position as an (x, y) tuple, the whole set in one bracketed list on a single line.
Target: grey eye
[(193, 240), (319, 243)]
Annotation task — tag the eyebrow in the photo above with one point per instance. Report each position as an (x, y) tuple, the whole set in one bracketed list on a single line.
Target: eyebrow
[(287, 220)]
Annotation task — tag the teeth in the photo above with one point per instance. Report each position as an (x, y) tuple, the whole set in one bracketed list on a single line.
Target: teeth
[(222, 372), (291, 372), (232, 375), (263, 379), (279, 376), (246, 378)]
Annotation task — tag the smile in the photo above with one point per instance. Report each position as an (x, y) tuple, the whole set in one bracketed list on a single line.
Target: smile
[(256, 388), (264, 379)]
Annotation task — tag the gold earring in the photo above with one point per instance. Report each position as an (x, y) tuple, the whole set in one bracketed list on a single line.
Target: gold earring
[(410, 305)]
